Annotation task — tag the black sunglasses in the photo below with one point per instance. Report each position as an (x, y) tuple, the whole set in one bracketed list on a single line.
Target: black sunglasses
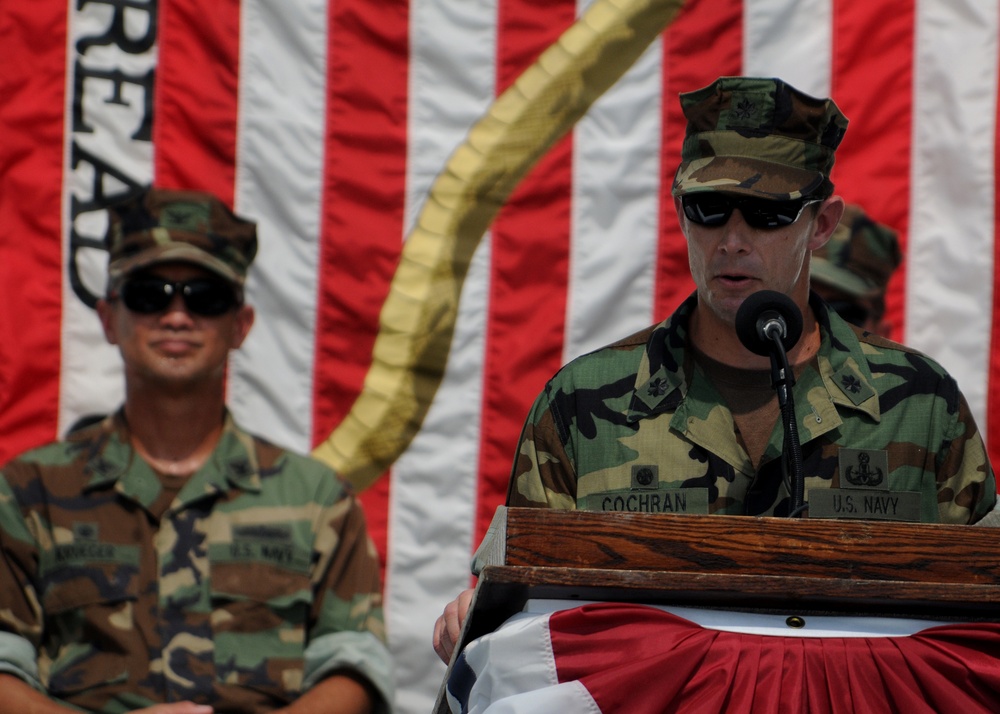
[(714, 209), (202, 296)]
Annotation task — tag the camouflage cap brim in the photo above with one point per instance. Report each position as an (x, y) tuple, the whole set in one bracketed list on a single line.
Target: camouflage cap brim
[(823, 271), (172, 252), (747, 176)]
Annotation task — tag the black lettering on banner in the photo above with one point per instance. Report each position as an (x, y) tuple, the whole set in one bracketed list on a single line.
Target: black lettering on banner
[(132, 29), (118, 79), (101, 170), (116, 33)]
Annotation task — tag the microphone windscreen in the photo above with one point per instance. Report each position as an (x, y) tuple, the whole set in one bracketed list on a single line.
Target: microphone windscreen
[(754, 313)]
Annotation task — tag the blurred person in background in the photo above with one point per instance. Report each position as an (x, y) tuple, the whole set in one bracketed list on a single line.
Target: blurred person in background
[(851, 271)]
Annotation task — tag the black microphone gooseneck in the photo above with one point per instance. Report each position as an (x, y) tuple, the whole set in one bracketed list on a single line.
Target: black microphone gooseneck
[(769, 323)]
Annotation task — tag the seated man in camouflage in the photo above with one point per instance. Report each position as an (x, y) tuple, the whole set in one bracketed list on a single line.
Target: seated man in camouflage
[(682, 417), (164, 559)]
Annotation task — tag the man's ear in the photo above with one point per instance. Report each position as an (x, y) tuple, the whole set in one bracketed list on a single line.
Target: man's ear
[(244, 321), (106, 314), (826, 221)]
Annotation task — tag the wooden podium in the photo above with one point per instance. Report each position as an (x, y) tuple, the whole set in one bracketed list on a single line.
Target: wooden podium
[(742, 563)]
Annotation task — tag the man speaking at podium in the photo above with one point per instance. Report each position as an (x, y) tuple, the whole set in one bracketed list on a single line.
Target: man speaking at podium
[(684, 408), (683, 417)]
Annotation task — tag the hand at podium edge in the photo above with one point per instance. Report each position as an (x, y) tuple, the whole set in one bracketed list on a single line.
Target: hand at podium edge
[(448, 627)]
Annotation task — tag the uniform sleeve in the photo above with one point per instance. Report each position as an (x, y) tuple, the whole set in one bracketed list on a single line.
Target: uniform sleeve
[(348, 631), (20, 615), (967, 488), (544, 474)]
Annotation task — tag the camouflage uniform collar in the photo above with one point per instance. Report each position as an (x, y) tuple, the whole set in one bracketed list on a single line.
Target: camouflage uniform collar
[(661, 381), (108, 450), (842, 363), (663, 378), (233, 463), (235, 457)]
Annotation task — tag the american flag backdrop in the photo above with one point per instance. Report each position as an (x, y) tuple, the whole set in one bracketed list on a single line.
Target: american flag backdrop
[(330, 122)]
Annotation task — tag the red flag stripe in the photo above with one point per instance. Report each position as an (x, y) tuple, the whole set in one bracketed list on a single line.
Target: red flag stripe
[(194, 132), (32, 121), (873, 164), (363, 194), (530, 256), (363, 198)]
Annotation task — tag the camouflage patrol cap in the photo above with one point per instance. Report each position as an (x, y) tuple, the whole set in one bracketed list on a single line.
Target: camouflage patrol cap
[(158, 225), (859, 258), (759, 137)]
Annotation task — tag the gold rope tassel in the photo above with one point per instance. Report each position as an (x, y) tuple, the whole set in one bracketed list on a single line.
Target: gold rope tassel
[(418, 317)]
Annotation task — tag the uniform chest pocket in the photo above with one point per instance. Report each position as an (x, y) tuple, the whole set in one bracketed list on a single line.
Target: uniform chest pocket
[(88, 594), (261, 605)]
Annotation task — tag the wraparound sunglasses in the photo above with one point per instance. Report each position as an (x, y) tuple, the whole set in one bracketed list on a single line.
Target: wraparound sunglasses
[(714, 209), (201, 296)]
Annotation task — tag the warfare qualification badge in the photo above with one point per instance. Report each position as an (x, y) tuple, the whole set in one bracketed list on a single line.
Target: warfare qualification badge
[(864, 468)]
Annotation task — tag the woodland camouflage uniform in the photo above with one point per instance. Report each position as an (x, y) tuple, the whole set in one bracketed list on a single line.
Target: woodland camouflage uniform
[(637, 426), (240, 586), (255, 582)]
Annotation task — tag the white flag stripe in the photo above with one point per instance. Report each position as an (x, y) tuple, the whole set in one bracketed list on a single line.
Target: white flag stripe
[(434, 486), (953, 192), (90, 381), (433, 502), (452, 71), (279, 179), (615, 210), (790, 39)]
